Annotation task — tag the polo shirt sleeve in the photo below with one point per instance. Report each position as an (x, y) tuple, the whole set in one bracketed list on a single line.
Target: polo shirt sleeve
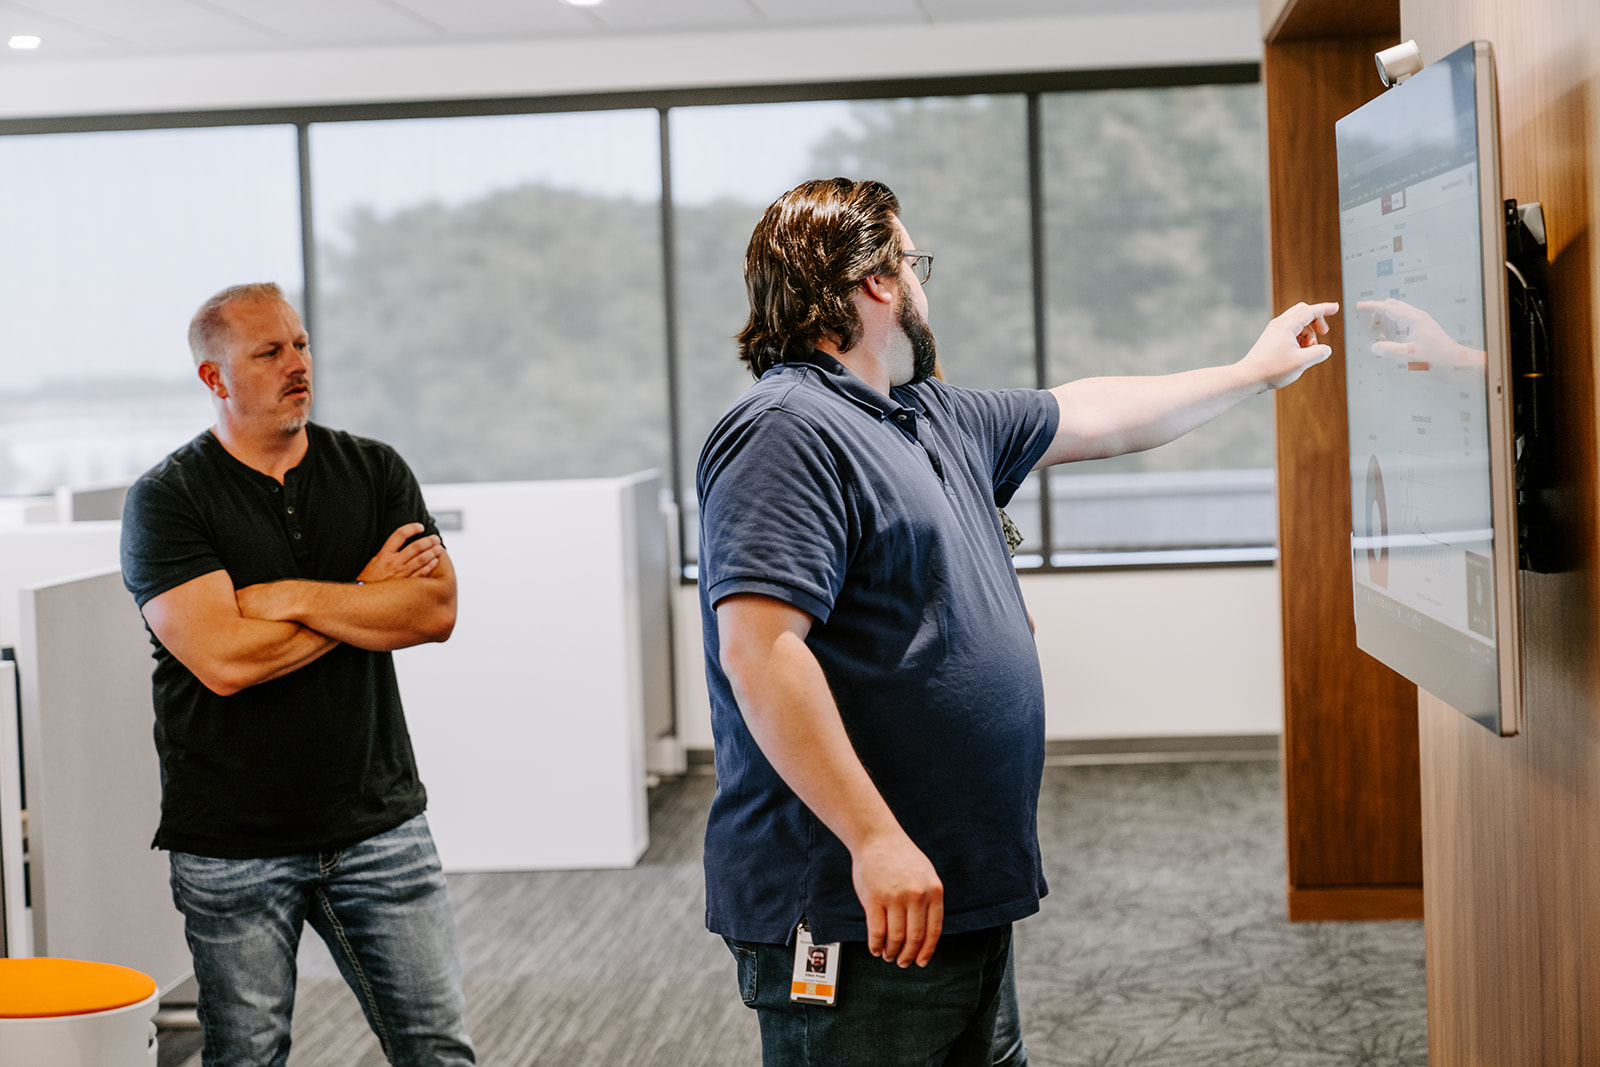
[(164, 541), (774, 514), (1013, 427)]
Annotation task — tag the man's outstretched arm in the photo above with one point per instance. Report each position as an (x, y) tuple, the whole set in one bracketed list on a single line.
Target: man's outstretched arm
[(406, 595), (791, 713), (1103, 417)]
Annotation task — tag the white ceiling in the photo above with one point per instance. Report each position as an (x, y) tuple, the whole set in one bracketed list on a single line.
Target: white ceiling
[(92, 29)]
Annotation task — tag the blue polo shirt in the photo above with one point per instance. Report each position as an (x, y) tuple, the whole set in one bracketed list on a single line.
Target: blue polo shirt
[(876, 516)]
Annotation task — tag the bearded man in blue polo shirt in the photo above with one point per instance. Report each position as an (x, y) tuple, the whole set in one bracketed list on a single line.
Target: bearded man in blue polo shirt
[(876, 699)]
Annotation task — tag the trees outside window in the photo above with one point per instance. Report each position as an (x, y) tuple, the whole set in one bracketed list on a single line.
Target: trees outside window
[(491, 290)]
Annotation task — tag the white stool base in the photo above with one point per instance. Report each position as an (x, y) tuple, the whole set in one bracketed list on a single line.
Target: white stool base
[(121, 1037)]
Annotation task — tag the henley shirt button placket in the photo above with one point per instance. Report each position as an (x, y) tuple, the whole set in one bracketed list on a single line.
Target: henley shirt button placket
[(288, 510)]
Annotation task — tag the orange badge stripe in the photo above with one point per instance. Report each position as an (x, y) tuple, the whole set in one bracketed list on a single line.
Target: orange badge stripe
[(811, 989)]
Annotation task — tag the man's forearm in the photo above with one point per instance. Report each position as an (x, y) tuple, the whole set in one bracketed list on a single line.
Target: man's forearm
[(785, 701), (285, 650), (1115, 416), (1103, 417), (199, 622), (792, 716), (377, 616)]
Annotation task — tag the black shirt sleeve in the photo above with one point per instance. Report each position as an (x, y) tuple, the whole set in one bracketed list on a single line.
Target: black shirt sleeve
[(164, 540), (403, 501)]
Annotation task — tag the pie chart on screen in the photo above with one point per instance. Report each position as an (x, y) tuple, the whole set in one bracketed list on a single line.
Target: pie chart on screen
[(1377, 525)]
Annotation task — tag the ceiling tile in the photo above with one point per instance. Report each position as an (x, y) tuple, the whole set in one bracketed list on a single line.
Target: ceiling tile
[(632, 15), (840, 11), (508, 18), (965, 10), (314, 23), (59, 42), (85, 27), (94, 28)]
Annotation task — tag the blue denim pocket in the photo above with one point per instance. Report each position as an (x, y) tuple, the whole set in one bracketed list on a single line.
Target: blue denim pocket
[(749, 965)]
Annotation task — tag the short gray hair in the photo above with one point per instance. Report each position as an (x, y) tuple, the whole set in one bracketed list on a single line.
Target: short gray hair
[(208, 330)]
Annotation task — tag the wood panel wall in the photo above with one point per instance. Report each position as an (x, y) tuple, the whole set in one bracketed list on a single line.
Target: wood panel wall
[(1511, 827), (1350, 761)]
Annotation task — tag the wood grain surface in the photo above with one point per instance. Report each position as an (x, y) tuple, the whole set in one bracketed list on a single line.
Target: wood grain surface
[(1350, 764), (1295, 20), (1512, 825)]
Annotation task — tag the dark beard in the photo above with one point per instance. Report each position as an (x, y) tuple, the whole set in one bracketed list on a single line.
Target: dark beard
[(924, 349)]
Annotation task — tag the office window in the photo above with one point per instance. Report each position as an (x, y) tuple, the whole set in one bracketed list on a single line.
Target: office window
[(489, 292), (111, 241), (959, 167), (1155, 243)]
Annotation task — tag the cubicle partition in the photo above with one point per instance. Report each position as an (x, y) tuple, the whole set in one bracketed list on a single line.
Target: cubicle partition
[(43, 553), (99, 891), (97, 502), (30, 554), (15, 937), (530, 723)]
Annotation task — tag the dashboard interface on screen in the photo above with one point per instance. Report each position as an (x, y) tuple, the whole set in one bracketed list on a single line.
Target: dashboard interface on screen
[(1410, 233)]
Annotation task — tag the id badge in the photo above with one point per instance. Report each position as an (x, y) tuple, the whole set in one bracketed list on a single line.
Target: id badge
[(816, 969)]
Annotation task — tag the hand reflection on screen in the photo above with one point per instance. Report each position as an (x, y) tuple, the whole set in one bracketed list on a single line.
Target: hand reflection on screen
[(1410, 336)]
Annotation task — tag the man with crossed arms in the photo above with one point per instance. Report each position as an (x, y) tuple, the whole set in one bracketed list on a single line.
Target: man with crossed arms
[(277, 564)]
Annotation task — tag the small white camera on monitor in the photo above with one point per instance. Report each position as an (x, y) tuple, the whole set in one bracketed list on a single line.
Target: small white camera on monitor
[(1397, 64)]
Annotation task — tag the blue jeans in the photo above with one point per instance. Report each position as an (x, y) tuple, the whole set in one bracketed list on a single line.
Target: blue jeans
[(1009, 1051), (959, 1011), (381, 907)]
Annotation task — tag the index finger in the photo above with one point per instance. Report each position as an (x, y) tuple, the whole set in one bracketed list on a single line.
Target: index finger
[(409, 529), (1303, 315), (402, 534), (877, 924)]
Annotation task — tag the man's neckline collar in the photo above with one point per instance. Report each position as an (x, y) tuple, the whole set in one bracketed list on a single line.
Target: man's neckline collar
[(215, 440), (901, 399)]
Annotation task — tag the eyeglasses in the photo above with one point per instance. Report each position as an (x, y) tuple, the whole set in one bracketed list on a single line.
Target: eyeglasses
[(921, 265)]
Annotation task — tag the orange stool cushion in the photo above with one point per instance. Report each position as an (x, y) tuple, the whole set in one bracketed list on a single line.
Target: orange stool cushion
[(42, 987)]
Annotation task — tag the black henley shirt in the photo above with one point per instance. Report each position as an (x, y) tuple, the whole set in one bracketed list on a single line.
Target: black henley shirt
[(318, 759)]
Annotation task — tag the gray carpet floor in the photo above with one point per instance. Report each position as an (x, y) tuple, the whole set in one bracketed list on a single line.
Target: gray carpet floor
[(1163, 943)]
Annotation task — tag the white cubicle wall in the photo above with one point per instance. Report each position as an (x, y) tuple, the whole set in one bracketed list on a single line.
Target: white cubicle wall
[(16, 938), (29, 555), (42, 553), (99, 891), (529, 723), (95, 502)]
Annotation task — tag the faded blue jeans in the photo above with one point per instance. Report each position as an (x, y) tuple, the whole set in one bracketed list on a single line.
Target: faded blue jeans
[(959, 1011), (381, 907)]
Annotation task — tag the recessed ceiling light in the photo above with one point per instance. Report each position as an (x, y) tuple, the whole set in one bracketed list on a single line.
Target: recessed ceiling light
[(584, 3), (25, 41)]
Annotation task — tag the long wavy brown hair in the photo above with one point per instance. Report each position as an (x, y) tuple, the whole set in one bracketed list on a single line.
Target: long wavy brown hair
[(810, 250)]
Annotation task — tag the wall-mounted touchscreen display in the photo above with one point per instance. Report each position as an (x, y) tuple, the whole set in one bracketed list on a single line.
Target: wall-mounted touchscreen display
[(1433, 549)]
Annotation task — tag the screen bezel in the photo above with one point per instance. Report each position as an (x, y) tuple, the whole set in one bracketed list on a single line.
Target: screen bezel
[(1505, 720), (1497, 364)]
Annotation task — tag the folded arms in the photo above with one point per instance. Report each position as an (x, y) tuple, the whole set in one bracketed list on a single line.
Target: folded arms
[(231, 640)]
